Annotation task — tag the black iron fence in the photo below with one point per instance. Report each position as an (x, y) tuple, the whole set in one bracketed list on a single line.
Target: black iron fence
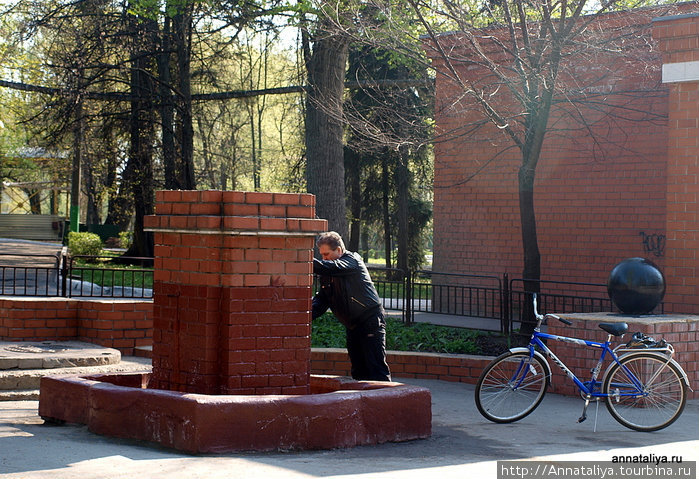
[(107, 276), (76, 276), (456, 294), (496, 302), (476, 301), (29, 274)]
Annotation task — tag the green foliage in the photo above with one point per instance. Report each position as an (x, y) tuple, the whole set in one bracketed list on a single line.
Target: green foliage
[(430, 338), (145, 8), (88, 244), (125, 239), (104, 273), (327, 332)]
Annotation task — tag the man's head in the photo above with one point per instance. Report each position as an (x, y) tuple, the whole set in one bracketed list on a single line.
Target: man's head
[(330, 245)]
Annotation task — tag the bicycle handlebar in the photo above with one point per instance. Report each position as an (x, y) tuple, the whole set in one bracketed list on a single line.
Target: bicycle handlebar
[(541, 317)]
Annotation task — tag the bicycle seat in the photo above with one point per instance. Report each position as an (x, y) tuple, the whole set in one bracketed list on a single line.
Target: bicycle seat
[(615, 329)]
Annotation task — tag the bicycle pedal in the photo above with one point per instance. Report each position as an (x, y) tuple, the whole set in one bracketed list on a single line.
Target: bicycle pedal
[(582, 418)]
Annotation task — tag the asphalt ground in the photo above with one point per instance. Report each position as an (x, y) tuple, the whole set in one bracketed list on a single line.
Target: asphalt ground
[(463, 445)]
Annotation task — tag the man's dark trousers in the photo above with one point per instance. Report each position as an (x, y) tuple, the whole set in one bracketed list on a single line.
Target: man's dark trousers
[(366, 345)]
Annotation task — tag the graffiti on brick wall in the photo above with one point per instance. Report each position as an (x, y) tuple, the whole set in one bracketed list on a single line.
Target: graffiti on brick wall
[(653, 243)]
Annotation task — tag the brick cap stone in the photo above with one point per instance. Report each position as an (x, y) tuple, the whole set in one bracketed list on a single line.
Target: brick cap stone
[(235, 232)]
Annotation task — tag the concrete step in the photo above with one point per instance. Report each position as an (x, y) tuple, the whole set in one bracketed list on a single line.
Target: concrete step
[(54, 355), (20, 395), (23, 364), (21, 379)]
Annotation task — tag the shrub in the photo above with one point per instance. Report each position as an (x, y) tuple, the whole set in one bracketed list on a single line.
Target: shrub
[(327, 332), (88, 244), (125, 239)]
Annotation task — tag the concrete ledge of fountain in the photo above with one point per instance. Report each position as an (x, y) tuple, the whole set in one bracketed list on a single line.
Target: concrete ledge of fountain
[(339, 412)]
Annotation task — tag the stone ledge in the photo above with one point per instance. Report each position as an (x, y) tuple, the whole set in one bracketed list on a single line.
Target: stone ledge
[(18, 379), (339, 413), (54, 354), (609, 317)]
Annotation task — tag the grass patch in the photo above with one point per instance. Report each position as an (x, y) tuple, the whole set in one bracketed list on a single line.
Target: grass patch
[(104, 273), (328, 332)]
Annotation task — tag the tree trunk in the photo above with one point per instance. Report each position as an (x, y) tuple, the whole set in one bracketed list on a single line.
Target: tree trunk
[(386, 210), (120, 204), (257, 168), (92, 216), (403, 200), (530, 245), (142, 136), (34, 200), (365, 244), (536, 125), (325, 171), (76, 173), (182, 23), (119, 199), (354, 184), (253, 150), (167, 108)]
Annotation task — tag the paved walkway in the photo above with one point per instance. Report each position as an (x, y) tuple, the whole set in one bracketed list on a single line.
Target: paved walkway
[(463, 445), (28, 267), (25, 251)]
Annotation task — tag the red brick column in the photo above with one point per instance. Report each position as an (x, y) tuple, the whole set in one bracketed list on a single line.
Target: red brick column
[(232, 289), (678, 39)]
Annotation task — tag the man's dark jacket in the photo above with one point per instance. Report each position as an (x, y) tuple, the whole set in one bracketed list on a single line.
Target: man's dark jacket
[(346, 288)]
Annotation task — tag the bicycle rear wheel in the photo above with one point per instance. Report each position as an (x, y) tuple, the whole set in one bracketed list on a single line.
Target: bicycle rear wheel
[(646, 393), (511, 387)]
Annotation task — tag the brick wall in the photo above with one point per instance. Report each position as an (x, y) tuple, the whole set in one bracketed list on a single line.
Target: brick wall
[(678, 40), (232, 289), (601, 187), (444, 367), (682, 333), (119, 324)]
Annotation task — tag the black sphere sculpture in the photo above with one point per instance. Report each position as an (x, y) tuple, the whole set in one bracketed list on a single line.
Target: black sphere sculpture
[(636, 286)]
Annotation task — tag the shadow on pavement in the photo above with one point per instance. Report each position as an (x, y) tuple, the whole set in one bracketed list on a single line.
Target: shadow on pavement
[(462, 444)]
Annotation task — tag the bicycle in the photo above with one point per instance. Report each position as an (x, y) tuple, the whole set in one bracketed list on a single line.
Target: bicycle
[(644, 389)]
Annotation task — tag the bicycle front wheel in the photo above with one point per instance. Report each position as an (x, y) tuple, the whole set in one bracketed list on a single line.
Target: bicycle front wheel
[(511, 387), (645, 392)]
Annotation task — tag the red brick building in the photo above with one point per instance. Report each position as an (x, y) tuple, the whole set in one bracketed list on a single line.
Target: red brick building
[(607, 188)]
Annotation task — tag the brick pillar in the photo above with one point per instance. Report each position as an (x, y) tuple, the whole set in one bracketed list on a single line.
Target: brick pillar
[(232, 291), (678, 40)]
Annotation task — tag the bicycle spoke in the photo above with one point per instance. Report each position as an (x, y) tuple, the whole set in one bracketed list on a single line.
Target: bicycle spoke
[(655, 404), (511, 387)]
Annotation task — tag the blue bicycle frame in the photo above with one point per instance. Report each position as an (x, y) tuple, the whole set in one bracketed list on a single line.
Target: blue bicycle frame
[(589, 388)]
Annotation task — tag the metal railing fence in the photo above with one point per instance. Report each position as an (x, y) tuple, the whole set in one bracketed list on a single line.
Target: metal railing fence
[(392, 286), (486, 297), (499, 299), (91, 276), (457, 294), (29, 274), (76, 276)]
